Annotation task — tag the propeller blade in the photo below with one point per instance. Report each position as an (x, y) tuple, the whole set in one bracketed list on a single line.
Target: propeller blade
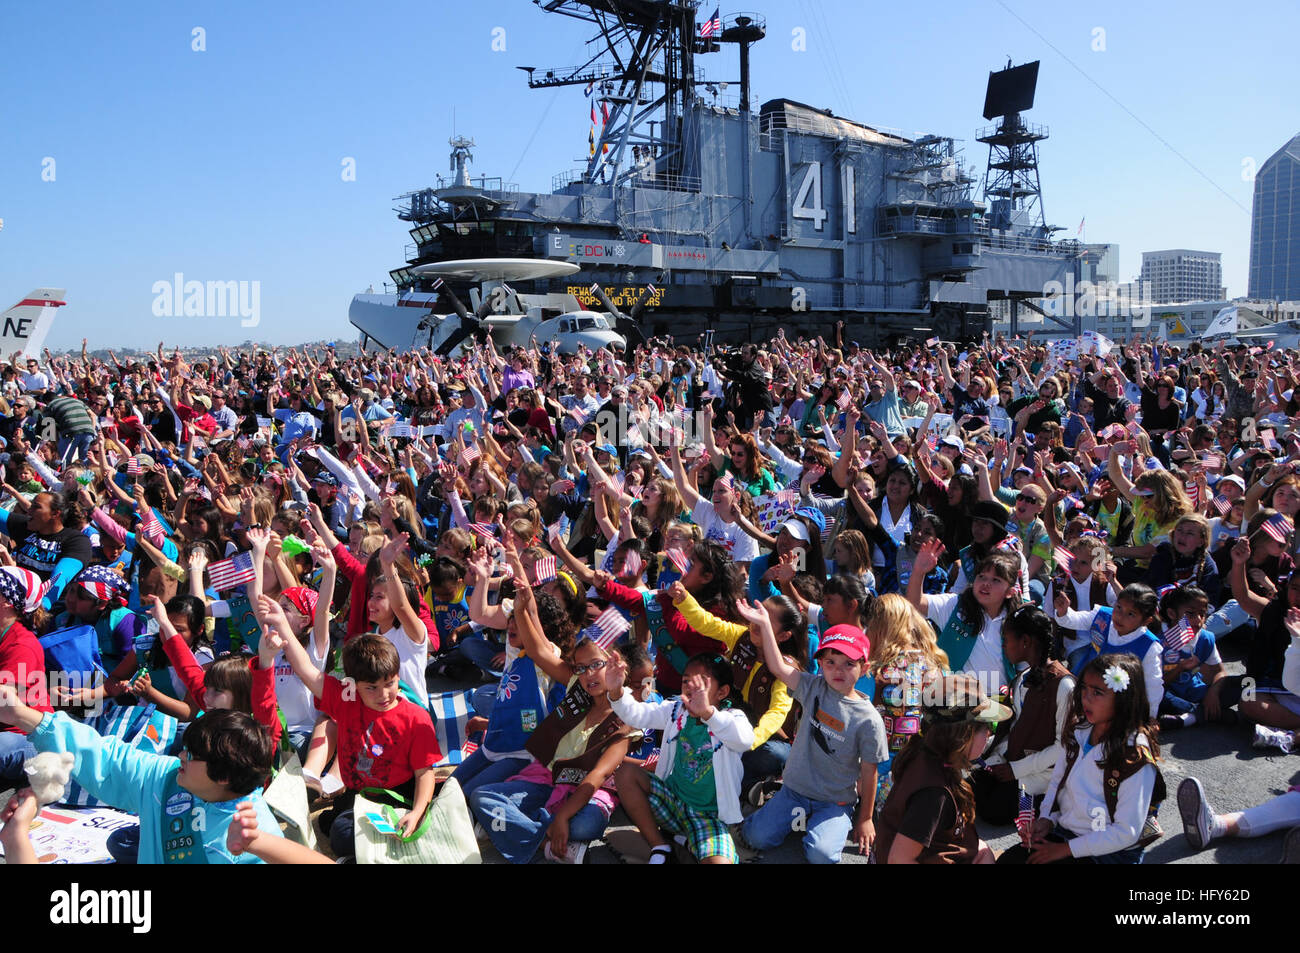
[(460, 334), (599, 292), (640, 305)]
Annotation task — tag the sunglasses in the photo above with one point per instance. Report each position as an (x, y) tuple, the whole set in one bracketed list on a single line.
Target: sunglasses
[(1022, 498)]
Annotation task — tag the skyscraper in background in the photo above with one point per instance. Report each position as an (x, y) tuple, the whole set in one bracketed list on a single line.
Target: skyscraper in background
[(1180, 274), (1275, 227)]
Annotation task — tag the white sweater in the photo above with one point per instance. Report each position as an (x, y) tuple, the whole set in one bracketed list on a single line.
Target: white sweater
[(1152, 671), (1082, 808), (727, 725)]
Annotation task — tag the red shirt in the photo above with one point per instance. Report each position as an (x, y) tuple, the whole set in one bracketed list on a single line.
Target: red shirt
[(22, 662), (358, 619), (379, 749)]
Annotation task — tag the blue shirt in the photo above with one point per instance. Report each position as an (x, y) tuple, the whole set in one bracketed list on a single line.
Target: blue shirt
[(145, 784)]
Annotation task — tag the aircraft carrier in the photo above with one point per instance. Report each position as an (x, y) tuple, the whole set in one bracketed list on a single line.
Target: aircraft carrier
[(700, 215)]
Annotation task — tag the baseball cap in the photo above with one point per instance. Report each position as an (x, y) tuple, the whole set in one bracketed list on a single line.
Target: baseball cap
[(796, 529), (951, 441), (608, 448), (847, 640)]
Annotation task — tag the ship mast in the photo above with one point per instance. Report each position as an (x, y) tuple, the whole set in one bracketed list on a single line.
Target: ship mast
[(643, 71)]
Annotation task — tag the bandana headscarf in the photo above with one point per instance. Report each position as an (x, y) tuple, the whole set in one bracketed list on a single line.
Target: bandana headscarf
[(102, 583), (21, 588), (304, 600)]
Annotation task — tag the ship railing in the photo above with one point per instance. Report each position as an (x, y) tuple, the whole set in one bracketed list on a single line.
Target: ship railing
[(1041, 246), (929, 225), (1032, 129), (485, 183), (646, 178)]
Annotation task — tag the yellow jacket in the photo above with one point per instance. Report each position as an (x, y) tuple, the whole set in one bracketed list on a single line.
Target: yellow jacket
[(729, 633)]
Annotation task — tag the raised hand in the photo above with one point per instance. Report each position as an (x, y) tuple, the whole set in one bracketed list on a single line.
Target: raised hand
[(615, 672), (927, 557)]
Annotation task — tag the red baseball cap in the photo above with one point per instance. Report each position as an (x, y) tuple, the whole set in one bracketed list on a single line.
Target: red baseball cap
[(847, 640)]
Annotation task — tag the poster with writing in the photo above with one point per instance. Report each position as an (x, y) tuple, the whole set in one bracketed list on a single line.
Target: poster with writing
[(76, 835)]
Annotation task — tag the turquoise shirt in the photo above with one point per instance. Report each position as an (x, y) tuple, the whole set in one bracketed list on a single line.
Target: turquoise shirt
[(145, 784)]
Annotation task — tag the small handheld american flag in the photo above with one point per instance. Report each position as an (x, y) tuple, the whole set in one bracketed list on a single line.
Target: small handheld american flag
[(632, 563), (469, 455), (609, 625), (544, 570), (651, 762), (1178, 636), (1063, 557), (484, 531), (468, 748), (133, 466), (1279, 526), (1221, 504), (843, 401), (228, 573), (681, 562), (1025, 817)]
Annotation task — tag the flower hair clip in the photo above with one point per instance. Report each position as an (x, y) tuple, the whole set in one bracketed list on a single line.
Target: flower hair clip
[(1116, 679)]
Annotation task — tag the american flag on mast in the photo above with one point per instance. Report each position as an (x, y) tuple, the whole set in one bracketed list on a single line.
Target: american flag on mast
[(713, 25)]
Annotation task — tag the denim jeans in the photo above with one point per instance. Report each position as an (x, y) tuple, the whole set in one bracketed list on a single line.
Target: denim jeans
[(515, 817), (827, 824), (476, 771), (14, 750), (479, 651), (75, 447), (1229, 617), (765, 761)]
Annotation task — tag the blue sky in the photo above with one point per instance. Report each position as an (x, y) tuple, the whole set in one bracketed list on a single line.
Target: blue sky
[(225, 164)]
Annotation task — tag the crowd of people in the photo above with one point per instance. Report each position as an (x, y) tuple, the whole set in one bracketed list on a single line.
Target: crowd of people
[(859, 598)]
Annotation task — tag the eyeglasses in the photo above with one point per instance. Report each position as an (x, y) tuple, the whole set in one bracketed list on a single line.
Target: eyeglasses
[(595, 666), (1023, 498)]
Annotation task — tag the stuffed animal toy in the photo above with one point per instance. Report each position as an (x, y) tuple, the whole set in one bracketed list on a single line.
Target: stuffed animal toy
[(49, 773)]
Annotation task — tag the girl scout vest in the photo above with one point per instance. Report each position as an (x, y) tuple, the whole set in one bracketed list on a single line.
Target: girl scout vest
[(1035, 729), (1064, 582), (519, 708), (665, 646), (957, 845), (568, 715), (958, 639), (1116, 771), (757, 680), (1102, 645)]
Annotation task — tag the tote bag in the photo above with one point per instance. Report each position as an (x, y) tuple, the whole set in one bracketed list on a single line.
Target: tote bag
[(445, 836)]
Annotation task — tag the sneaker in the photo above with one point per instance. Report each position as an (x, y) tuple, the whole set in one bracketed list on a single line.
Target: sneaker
[(762, 791), (1170, 723), (1198, 816), (669, 856), (573, 853), (1291, 847), (330, 785), (1273, 738)]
